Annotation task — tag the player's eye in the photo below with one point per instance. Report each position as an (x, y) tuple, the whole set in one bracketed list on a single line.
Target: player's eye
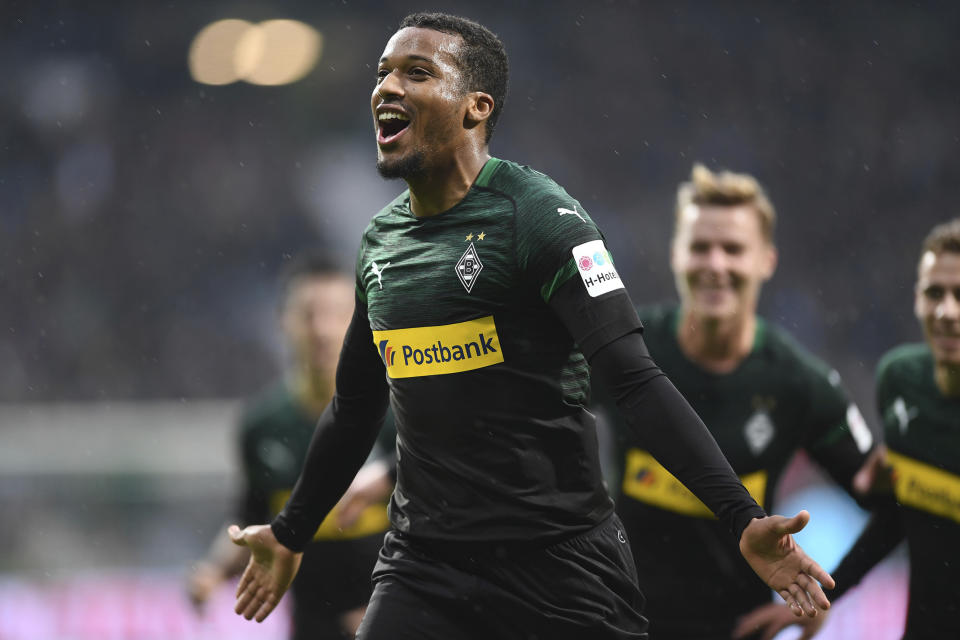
[(732, 249), (934, 293), (699, 247), (381, 74)]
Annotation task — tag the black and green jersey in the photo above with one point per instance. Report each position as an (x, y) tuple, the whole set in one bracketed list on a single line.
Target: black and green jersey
[(486, 383), (275, 430), (922, 433), (779, 399), (476, 326)]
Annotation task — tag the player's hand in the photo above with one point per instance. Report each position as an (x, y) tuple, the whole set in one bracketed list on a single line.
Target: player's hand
[(874, 474), (772, 618), (268, 574), (202, 581), (371, 486), (770, 550)]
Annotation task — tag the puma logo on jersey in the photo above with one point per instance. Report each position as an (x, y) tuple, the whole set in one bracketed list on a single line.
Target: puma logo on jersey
[(570, 212), (378, 271), (903, 414)]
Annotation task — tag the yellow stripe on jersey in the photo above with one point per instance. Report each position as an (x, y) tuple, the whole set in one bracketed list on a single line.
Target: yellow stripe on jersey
[(439, 350), (646, 480), (925, 487), (372, 520)]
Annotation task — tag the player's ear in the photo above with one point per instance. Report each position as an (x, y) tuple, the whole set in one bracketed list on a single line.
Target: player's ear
[(675, 263), (769, 261), (479, 108)]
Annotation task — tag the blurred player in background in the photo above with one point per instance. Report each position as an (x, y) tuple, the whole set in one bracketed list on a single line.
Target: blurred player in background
[(483, 292), (333, 586), (762, 396), (918, 396)]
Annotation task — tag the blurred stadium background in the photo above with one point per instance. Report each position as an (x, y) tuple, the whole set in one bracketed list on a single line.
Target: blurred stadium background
[(158, 166)]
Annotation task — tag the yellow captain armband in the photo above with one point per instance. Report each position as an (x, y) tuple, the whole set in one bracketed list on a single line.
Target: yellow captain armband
[(646, 480)]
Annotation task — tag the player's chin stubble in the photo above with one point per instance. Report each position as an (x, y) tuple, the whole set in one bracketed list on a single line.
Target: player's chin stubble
[(409, 166)]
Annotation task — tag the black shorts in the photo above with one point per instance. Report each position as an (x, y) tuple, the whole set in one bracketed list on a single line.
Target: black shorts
[(334, 578), (583, 587)]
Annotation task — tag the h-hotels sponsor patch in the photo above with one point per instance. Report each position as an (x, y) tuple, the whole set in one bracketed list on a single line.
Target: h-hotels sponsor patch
[(646, 480), (595, 265), (925, 487), (439, 350)]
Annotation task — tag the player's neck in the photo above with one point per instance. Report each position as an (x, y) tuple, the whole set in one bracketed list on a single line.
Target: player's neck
[(947, 378), (312, 388), (442, 187), (718, 345)]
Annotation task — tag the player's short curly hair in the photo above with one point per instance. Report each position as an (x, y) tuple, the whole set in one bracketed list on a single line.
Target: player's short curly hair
[(482, 60), (726, 189), (943, 238)]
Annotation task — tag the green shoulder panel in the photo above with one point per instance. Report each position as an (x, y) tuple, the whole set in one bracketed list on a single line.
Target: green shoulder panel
[(560, 276), (486, 174), (549, 224)]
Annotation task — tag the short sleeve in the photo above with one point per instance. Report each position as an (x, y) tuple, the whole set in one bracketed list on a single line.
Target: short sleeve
[(557, 240)]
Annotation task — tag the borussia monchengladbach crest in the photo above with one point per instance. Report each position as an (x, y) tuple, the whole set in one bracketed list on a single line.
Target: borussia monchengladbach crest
[(469, 267)]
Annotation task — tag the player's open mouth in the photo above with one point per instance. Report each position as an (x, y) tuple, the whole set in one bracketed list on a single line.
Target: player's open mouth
[(391, 125)]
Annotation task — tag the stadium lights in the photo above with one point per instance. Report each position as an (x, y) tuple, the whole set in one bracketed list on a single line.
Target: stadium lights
[(273, 52)]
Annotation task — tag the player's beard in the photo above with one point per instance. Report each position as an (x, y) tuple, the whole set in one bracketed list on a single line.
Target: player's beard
[(409, 166)]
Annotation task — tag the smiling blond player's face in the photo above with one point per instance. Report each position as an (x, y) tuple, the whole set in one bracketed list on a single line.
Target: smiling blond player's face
[(720, 259)]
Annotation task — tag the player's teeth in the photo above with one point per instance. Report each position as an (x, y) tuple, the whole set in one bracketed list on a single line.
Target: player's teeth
[(391, 115)]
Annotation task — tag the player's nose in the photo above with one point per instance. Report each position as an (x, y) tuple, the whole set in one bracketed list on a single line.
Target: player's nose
[(949, 308), (715, 259)]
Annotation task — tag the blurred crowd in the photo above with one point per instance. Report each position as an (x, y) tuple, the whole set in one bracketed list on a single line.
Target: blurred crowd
[(144, 217)]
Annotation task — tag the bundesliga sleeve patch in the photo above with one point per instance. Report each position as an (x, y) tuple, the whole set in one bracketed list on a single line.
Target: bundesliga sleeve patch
[(595, 265)]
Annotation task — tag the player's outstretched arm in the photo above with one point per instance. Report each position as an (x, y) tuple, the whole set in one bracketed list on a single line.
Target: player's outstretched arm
[(269, 572), (768, 546)]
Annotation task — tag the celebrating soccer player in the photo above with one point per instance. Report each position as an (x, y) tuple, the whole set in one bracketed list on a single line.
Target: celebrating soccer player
[(485, 295), (762, 396), (333, 585), (918, 396)]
